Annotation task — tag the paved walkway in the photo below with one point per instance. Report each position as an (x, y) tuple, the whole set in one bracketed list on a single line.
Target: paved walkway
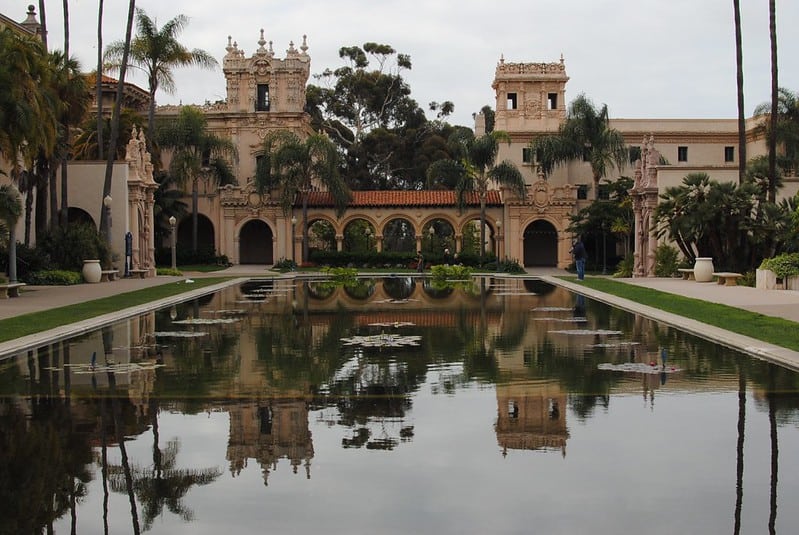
[(777, 303)]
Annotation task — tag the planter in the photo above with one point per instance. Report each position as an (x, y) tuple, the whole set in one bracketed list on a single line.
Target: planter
[(792, 283), (92, 271), (765, 279), (703, 269)]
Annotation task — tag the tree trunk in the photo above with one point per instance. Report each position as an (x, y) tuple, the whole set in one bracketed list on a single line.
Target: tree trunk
[(772, 140), (739, 64), (62, 219), (98, 91), (739, 465), (482, 226), (109, 166), (195, 201), (304, 227), (43, 20)]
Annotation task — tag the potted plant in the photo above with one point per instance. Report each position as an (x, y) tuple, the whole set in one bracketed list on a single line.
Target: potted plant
[(782, 270)]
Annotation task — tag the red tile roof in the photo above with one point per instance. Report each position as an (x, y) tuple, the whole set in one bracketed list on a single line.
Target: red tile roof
[(374, 199)]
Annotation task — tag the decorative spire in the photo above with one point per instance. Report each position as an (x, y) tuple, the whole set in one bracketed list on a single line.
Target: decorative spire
[(502, 59), (261, 42), (304, 46), (229, 47), (291, 51)]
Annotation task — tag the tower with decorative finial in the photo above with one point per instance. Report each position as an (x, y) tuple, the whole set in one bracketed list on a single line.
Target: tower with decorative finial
[(263, 83)]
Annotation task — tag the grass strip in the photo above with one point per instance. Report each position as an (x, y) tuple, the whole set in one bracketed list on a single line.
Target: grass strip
[(35, 322), (777, 331)]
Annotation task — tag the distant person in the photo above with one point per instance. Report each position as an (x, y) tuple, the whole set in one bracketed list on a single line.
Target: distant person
[(578, 250), (446, 256), (419, 263)]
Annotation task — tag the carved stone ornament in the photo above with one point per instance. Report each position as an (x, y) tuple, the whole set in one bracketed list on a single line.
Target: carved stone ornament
[(254, 199), (540, 194)]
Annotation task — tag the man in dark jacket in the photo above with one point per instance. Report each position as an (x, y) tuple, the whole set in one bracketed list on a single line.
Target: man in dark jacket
[(578, 250)]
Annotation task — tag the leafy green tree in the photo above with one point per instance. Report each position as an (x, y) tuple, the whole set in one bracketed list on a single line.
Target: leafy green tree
[(156, 51), (474, 171), (295, 166), (196, 154), (585, 134), (366, 109)]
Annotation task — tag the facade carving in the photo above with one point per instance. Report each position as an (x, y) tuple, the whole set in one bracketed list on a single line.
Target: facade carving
[(645, 199)]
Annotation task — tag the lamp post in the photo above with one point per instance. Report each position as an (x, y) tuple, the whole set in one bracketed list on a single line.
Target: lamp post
[(432, 233), (293, 246), (604, 251), (499, 238), (172, 222), (107, 200), (368, 233)]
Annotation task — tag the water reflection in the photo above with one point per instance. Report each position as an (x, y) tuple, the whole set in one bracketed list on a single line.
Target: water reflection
[(509, 378)]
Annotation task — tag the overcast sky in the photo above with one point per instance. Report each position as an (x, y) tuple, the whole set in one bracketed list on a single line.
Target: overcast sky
[(644, 59)]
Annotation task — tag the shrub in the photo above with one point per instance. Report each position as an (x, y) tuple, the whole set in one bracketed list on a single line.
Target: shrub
[(666, 260), (510, 265), (456, 272), (169, 272), (29, 260), (625, 267), (69, 246), (784, 265), (284, 264), (54, 277)]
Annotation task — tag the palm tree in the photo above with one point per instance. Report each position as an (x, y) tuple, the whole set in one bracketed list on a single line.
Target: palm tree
[(475, 170), (296, 167), (156, 52), (786, 130), (98, 82), (772, 139), (109, 163), (196, 154), (586, 134), (739, 65), (10, 210)]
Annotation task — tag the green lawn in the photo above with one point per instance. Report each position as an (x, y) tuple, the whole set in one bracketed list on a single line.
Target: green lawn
[(776, 331), (36, 322)]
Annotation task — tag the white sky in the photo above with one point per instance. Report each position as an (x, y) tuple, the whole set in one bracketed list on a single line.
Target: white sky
[(644, 59)]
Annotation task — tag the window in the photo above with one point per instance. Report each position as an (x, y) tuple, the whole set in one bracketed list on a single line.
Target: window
[(527, 155), (512, 102), (729, 154), (262, 104), (682, 154), (552, 98), (582, 192)]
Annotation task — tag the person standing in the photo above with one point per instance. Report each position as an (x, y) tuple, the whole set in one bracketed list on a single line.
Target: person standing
[(578, 250), (419, 263)]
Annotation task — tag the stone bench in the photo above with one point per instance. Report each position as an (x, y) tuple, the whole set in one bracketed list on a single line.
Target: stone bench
[(141, 273), (10, 289), (727, 278), (109, 275), (687, 273)]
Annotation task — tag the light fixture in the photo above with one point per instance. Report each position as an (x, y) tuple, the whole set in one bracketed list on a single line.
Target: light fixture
[(432, 230), (172, 221), (107, 200), (293, 220)]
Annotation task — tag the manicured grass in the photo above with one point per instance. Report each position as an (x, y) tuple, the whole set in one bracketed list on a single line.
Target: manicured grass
[(777, 331), (35, 322)]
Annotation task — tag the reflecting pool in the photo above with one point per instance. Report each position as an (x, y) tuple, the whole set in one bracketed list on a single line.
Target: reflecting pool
[(395, 405)]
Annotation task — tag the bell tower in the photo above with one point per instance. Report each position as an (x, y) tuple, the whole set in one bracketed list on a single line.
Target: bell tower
[(264, 83), (531, 97)]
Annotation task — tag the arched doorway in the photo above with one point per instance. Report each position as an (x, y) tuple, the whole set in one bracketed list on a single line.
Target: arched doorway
[(206, 240), (79, 216), (540, 244), (255, 243)]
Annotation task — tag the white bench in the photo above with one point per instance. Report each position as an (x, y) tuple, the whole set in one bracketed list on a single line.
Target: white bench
[(727, 278), (10, 289), (687, 273), (141, 273), (109, 275)]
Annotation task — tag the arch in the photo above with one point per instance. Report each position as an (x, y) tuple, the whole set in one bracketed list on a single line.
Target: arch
[(399, 235), (399, 287), (359, 235), (540, 244), (470, 232), (441, 239), (79, 216), (321, 235), (206, 236), (256, 243)]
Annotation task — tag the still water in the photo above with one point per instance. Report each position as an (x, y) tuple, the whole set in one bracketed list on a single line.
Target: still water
[(395, 406)]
